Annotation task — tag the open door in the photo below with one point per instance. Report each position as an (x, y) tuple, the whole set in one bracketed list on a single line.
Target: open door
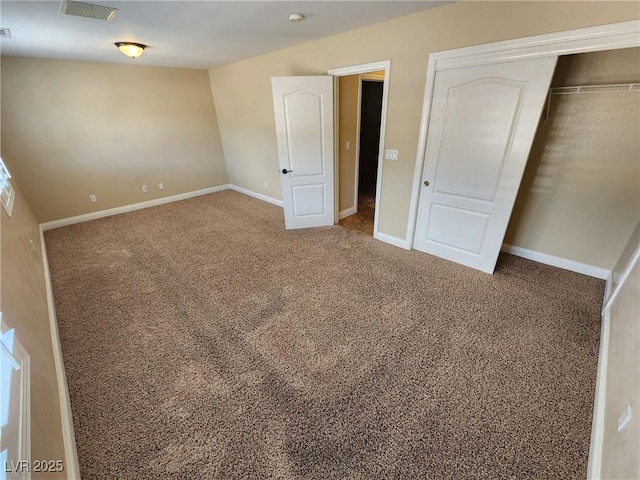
[(303, 109), (482, 123)]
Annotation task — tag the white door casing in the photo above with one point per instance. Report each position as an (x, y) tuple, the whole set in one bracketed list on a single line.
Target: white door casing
[(482, 123), (384, 65), (303, 108)]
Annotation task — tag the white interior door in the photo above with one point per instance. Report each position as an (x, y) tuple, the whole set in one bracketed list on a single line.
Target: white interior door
[(482, 123), (304, 127)]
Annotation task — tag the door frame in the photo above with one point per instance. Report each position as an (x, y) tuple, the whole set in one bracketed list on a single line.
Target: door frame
[(384, 65), (591, 39)]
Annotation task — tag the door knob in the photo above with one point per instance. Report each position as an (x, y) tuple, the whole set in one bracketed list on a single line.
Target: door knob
[(426, 183), (285, 171)]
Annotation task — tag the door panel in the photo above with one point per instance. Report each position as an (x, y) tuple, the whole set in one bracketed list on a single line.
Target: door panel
[(303, 117), (305, 200), (303, 109), (474, 118), (457, 228), (483, 120)]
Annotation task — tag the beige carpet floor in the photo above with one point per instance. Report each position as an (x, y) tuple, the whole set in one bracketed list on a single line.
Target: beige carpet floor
[(202, 340)]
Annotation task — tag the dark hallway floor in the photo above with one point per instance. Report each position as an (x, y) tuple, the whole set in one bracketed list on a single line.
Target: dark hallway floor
[(362, 221)]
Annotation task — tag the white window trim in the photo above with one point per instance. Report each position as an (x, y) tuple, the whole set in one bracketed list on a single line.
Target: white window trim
[(23, 455), (7, 192)]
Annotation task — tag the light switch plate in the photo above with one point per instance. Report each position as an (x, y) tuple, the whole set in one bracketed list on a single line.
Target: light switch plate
[(391, 154)]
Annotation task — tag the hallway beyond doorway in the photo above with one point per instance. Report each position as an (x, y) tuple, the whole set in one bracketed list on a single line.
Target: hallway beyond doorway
[(362, 221)]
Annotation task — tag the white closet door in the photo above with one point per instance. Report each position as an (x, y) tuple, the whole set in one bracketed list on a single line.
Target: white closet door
[(482, 123)]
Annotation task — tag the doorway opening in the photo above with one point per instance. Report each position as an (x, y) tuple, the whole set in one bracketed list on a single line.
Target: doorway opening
[(347, 144), (369, 149), (360, 112)]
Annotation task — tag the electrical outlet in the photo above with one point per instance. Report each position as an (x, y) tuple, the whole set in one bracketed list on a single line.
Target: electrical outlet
[(161, 186), (93, 198), (266, 184), (237, 176), (391, 154), (348, 145), (145, 189)]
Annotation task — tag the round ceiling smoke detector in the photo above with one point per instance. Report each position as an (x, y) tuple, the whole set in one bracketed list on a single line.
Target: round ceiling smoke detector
[(296, 17)]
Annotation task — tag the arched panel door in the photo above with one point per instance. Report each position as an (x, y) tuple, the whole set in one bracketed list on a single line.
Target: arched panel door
[(482, 123), (303, 108)]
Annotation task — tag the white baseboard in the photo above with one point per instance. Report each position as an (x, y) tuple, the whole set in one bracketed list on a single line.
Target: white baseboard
[(395, 241), (559, 262), (594, 466), (608, 288), (347, 212), (129, 208), (259, 196), (71, 466)]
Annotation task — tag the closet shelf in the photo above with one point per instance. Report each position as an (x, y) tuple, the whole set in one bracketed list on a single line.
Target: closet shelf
[(614, 87), (617, 87)]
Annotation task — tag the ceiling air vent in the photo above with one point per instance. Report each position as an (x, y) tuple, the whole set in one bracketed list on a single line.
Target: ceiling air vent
[(89, 10), (5, 33)]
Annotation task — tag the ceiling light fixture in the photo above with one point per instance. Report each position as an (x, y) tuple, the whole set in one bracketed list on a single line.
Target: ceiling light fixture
[(133, 50), (296, 17)]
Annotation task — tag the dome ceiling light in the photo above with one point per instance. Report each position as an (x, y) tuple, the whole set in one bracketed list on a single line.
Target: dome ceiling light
[(133, 50), (296, 17)]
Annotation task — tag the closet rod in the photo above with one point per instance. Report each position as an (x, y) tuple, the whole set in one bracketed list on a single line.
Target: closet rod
[(614, 87)]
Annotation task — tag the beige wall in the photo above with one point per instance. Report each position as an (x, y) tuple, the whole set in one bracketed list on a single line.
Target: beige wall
[(348, 131), (580, 194), (23, 302), (242, 91), (71, 129), (620, 458)]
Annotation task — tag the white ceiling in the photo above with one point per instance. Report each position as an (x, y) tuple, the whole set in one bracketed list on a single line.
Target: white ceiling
[(192, 34)]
